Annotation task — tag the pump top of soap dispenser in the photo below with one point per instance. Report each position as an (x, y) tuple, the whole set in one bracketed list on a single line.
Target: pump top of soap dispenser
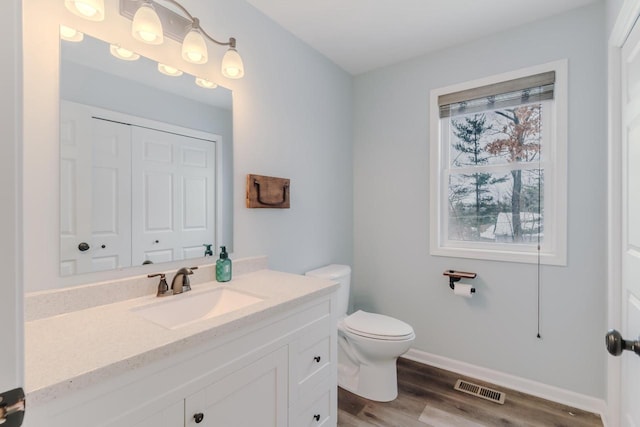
[(207, 249), (223, 252)]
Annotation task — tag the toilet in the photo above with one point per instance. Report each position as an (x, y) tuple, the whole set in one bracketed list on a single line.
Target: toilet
[(369, 344)]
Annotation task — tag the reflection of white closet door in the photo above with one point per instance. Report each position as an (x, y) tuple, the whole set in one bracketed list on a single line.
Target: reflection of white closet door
[(173, 186), (75, 192), (95, 192), (111, 202)]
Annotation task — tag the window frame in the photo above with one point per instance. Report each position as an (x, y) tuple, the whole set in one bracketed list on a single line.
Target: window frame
[(553, 250)]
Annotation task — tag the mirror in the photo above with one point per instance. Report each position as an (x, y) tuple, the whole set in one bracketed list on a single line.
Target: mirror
[(146, 163)]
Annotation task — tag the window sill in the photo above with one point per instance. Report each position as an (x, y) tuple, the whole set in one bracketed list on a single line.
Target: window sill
[(545, 258)]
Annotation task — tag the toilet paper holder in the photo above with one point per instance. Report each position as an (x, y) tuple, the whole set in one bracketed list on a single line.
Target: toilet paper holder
[(456, 276)]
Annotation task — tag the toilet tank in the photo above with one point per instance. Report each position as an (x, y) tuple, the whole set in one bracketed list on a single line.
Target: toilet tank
[(340, 274)]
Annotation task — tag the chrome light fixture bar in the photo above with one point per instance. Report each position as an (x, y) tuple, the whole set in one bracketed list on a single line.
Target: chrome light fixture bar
[(184, 29)]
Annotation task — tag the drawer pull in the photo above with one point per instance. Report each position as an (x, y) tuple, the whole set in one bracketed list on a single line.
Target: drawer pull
[(198, 417), (316, 417), (317, 359)]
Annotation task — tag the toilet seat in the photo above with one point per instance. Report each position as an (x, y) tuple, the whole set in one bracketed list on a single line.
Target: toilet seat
[(378, 326)]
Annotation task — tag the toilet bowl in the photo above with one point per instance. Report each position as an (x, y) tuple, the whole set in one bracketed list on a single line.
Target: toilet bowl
[(369, 344)]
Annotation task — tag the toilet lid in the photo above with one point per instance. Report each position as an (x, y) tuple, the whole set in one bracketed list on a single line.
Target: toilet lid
[(377, 326)]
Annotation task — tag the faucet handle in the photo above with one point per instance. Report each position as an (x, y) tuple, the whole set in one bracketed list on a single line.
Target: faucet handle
[(163, 287), (186, 284)]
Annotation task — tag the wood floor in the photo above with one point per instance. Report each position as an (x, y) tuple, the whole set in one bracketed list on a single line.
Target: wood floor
[(426, 393)]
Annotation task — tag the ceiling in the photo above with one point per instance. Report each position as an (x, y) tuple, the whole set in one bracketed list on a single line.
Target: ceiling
[(361, 35)]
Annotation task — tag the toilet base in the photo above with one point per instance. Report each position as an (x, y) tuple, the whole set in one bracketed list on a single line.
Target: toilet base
[(378, 383)]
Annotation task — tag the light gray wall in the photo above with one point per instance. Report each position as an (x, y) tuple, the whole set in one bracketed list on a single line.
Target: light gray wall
[(292, 119), (613, 8), (393, 271), (93, 87)]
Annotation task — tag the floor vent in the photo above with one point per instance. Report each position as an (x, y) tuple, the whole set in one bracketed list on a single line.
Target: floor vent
[(480, 391)]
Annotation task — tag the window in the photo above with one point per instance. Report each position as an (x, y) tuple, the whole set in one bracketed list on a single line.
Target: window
[(498, 167)]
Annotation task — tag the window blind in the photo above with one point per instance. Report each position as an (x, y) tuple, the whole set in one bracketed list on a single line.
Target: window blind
[(535, 88)]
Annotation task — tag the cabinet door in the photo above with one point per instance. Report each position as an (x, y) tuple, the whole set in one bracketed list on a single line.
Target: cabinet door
[(255, 395)]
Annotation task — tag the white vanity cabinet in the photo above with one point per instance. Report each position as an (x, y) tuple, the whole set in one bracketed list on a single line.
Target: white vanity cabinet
[(279, 370)]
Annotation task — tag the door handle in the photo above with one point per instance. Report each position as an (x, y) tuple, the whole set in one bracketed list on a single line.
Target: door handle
[(12, 408), (616, 344), (84, 246)]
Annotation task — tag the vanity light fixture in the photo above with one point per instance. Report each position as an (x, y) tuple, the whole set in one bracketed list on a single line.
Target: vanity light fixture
[(232, 66), (146, 26), (152, 21), (70, 34), (122, 53), (168, 70), (93, 10), (194, 48), (207, 84)]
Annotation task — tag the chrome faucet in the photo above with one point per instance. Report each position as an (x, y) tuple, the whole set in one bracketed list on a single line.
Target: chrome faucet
[(180, 282)]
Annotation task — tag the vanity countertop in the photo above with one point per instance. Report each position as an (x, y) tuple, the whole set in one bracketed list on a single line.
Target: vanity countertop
[(77, 349)]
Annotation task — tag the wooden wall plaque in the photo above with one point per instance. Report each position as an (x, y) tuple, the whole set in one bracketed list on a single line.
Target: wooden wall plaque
[(267, 192)]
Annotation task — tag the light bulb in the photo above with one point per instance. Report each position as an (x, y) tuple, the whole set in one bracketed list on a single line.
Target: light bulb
[(122, 53), (93, 10), (70, 34), (194, 48), (146, 26), (232, 66), (169, 70), (207, 84)]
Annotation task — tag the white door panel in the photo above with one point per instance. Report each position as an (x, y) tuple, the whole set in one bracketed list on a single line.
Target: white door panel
[(95, 191), (11, 121), (111, 195), (150, 196), (630, 386), (75, 192), (173, 196)]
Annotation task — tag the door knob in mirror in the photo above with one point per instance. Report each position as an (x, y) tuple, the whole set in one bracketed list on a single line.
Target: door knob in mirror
[(616, 344), (84, 246)]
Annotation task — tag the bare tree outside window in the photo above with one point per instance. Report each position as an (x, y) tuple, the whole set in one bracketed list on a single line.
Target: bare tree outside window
[(496, 178)]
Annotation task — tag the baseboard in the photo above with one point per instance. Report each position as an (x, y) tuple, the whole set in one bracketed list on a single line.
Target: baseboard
[(534, 388)]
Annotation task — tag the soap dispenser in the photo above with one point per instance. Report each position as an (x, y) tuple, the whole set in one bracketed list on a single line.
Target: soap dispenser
[(223, 266)]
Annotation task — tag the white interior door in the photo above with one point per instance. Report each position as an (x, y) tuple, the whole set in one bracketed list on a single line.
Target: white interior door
[(630, 298), (75, 193), (95, 192), (173, 207), (11, 351)]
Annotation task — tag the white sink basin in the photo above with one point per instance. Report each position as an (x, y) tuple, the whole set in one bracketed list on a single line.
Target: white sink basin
[(180, 310)]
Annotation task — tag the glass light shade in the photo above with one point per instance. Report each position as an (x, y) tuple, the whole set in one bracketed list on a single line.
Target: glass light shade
[(168, 70), (70, 34), (232, 66), (93, 10), (194, 48), (122, 53), (207, 84), (146, 26)]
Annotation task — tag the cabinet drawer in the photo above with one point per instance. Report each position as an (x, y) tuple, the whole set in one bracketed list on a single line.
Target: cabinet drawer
[(320, 409), (312, 353)]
